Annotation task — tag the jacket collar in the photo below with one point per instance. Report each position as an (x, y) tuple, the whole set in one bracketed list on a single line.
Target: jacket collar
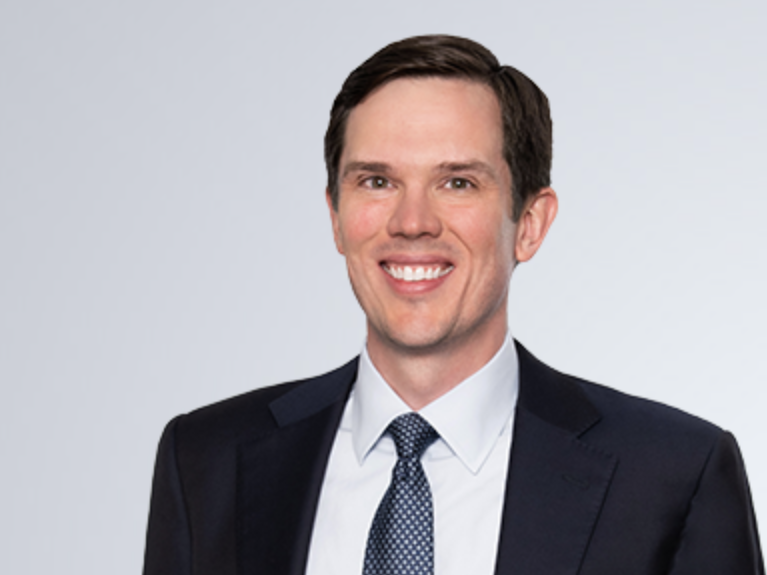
[(552, 396), (544, 392)]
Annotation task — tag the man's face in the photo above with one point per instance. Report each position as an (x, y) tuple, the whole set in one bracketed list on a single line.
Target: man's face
[(424, 213)]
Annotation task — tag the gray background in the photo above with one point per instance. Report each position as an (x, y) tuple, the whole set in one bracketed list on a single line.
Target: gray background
[(164, 241)]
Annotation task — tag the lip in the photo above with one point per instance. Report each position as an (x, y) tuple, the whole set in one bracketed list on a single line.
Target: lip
[(401, 272)]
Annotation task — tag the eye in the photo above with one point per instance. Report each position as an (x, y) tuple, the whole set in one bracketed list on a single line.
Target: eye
[(376, 182), (459, 184)]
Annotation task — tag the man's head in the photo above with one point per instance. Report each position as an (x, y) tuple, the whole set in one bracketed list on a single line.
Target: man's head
[(527, 147), (421, 171)]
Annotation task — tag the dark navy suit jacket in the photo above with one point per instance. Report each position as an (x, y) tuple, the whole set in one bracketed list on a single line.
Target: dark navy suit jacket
[(600, 483)]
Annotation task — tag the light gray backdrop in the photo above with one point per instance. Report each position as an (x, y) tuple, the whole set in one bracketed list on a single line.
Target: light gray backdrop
[(164, 241)]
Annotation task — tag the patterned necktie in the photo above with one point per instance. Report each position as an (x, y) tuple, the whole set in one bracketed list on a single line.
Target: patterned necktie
[(401, 540)]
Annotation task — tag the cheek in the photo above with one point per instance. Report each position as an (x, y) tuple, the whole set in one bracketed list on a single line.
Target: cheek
[(487, 235), (360, 223)]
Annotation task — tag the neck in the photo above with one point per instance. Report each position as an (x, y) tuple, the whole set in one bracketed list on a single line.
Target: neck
[(421, 375)]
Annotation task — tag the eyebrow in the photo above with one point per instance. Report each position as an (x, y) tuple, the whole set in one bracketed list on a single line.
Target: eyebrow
[(473, 166), (378, 167)]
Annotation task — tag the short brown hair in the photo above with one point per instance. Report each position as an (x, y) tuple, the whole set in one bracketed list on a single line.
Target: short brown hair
[(524, 107)]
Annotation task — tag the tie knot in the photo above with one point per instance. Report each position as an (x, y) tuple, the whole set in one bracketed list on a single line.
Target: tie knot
[(412, 435)]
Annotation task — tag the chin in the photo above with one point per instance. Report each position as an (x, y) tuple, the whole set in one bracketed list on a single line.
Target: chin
[(415, 339)]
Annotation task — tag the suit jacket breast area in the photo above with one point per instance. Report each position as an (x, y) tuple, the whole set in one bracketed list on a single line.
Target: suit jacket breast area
[(599, 483)]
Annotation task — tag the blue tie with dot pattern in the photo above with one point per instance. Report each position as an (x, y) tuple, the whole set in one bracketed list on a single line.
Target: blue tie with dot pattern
[(401, 540)]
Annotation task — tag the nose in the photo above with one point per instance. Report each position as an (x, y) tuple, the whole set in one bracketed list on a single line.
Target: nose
[(415, 215)]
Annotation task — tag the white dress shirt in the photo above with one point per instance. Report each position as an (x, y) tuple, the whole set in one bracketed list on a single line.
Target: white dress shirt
[(466, 469)]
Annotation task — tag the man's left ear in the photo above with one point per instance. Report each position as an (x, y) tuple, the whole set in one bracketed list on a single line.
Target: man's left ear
[(534, 223)]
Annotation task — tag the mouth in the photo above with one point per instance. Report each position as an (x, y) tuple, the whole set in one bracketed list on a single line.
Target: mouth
[(416, 273)]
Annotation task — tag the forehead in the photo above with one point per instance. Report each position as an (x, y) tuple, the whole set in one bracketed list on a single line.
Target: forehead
[(426, 119)]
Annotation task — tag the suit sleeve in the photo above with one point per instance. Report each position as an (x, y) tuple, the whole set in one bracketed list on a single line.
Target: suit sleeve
[(720, 535), (168, 542)]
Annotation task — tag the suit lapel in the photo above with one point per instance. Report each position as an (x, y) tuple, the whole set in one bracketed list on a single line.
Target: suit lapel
[(280, 475), (556, 482)]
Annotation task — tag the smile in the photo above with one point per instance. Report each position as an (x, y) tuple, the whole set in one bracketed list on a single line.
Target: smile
[(416, 273)]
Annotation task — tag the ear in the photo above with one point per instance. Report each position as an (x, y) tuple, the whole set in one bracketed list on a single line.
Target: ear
[(335, 222), (534, 223)]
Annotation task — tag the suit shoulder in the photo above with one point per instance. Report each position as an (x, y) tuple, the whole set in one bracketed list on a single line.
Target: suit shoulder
[(633, 423), (611, 419), (619, 404), (576, 404), (252, 413)]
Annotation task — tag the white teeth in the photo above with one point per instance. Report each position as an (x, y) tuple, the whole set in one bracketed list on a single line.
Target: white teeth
[(416, 274)]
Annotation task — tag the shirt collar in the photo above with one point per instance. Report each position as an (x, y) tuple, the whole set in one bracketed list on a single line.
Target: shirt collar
[(469, 418)]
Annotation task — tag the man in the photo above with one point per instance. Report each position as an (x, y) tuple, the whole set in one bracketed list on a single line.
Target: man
[(446, 447)]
